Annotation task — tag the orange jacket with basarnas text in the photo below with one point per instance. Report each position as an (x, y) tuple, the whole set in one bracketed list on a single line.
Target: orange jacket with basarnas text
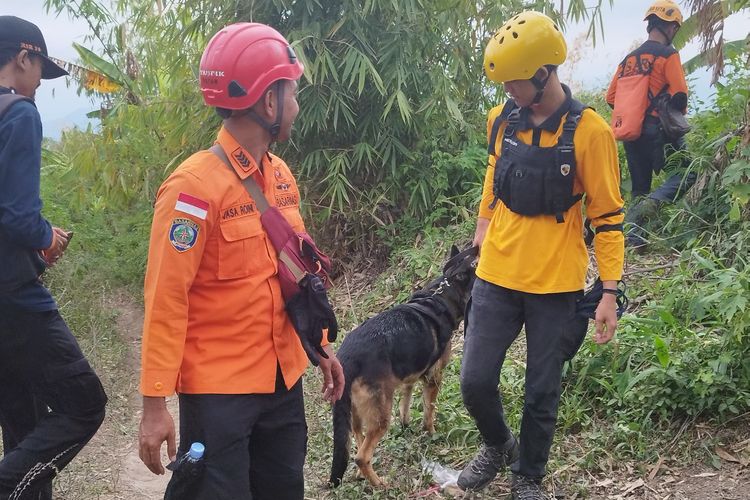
[(664, 68), (214, 315)]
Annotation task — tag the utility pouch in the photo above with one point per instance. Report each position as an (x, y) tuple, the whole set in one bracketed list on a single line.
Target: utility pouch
[(673, 122), (632, 102)]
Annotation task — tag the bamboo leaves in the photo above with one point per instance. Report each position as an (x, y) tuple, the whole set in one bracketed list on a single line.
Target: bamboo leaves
[(100, 64)]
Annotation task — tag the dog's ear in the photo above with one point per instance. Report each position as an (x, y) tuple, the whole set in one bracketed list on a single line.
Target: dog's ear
[(454, 251)]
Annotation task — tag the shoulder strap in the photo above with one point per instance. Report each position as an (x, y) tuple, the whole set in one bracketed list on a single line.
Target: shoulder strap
[(250, 185), (652, 99), (571, 123), (8, 100), (510, 105), (565, 153), (260, 200)]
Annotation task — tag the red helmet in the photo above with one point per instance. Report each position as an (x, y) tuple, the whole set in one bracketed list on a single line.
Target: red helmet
[(241, 61)]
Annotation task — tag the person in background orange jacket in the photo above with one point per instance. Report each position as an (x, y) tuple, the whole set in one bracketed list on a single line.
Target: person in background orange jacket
[(649, 153), (215, 330)]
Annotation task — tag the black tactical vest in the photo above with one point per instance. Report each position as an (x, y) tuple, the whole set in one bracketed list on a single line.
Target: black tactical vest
[(532, 180)]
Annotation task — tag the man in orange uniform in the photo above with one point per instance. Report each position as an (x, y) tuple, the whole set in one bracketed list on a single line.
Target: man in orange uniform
[(547, 153), (660, 63), (215, 329)]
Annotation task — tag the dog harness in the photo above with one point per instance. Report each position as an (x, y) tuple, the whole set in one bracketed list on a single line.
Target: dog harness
[(429, 303), (533, 180), (431, 306)]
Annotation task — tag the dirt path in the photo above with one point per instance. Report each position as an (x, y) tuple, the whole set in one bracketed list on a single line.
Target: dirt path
[(109, 467), (136, 479)]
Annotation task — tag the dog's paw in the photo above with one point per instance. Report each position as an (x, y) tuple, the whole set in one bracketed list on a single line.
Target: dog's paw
[(379, 484), (429, 428)]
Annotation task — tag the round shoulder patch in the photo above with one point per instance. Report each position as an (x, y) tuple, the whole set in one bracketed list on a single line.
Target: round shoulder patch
[(183, 234)]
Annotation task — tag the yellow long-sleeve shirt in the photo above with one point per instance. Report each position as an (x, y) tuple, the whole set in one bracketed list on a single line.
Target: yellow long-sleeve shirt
[(535, 254)]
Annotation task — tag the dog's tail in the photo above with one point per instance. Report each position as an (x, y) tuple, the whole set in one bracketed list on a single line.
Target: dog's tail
[(342, 425)]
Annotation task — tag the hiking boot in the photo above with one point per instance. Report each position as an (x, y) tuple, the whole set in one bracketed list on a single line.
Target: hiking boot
[(486, 464), (526, 488)]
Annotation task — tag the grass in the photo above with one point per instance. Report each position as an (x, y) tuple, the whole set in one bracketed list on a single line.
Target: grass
[(606, 427), (602, 430)]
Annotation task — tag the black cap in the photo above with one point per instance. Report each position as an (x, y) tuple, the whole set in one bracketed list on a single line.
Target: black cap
[(17, 33)]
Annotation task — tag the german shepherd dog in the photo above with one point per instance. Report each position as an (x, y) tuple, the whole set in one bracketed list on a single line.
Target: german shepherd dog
[(394, 349)]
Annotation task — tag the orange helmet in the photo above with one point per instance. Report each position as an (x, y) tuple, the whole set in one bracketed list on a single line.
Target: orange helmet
[(666, 10)]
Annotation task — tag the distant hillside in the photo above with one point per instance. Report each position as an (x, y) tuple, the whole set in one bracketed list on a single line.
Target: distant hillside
[(77, 118)]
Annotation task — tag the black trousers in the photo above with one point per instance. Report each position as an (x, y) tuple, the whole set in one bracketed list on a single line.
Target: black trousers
[(648, 155), (51, 401), (255, 444), (553, 335)]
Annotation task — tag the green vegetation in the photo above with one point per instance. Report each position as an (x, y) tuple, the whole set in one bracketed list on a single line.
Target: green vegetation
[(389, 150)]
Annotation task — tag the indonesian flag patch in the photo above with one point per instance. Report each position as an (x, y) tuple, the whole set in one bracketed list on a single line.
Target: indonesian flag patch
[(192, 205)]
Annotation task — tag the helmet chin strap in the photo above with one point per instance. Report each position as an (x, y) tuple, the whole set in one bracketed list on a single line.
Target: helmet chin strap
[(669, 39), (272, 128), (540, 86)]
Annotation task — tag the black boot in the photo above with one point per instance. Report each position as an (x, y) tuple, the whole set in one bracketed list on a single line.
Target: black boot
[(527, 488), (486, 464)]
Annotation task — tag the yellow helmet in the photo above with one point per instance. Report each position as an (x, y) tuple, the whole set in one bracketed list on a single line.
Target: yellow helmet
[(521, 46), (666, 10)]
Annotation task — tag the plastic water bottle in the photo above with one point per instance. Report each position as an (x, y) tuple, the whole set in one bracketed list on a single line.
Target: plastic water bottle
[(186, 473)]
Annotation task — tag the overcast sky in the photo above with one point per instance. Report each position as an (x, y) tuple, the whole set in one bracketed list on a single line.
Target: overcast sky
[(56, 99), (58, 102)]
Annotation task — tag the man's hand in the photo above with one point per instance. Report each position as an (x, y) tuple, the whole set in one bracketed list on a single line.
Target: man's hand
[(156, 427), (333, 376), (481, 232), (606, 315), (60, 240)]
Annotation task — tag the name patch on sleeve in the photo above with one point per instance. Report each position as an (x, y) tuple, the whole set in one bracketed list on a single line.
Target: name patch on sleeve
[(183, 234)]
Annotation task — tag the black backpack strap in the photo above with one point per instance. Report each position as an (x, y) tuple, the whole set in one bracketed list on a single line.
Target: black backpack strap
[(653, 102), (566, 154), (571, 122), (8, 100), (510, 106)]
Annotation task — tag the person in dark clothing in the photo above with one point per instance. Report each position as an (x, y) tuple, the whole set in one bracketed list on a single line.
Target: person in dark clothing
[(654, 151), (51, 401)]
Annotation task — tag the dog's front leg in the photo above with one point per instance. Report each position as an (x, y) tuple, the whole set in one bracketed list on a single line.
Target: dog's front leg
[(404, 407), (432, 382), (429, 395)]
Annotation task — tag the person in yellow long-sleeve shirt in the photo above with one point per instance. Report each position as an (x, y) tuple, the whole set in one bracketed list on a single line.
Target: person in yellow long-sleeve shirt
[(548, 155)]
